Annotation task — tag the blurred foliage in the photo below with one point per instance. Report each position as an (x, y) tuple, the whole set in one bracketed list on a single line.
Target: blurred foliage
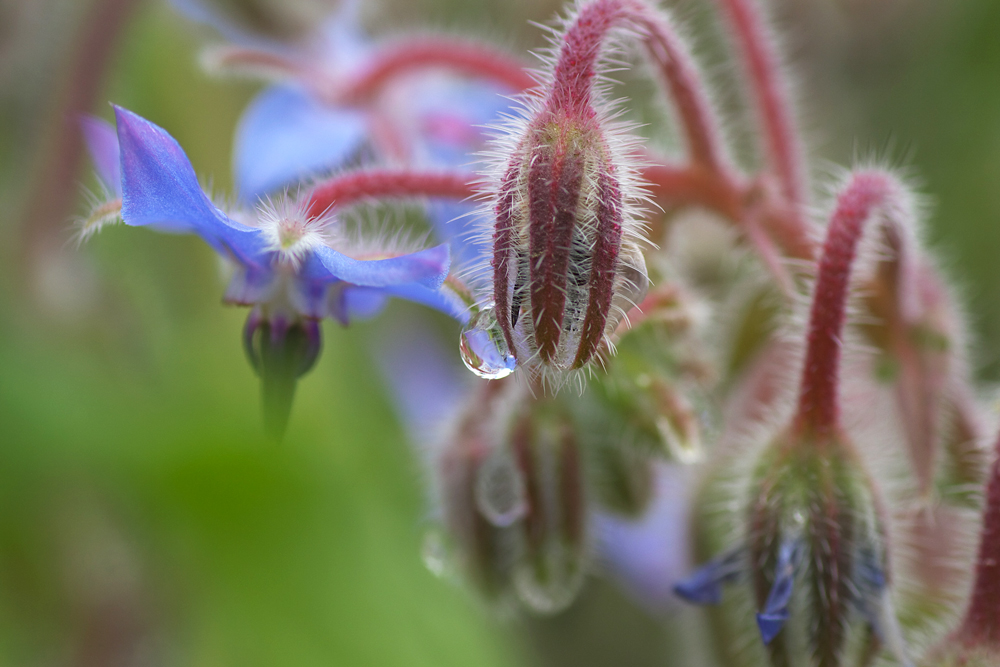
[(144, 517)]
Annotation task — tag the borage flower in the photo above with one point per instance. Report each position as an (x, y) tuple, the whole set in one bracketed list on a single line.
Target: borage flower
[(292, 263)]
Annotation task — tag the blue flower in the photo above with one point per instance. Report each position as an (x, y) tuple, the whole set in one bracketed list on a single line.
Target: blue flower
[(285, 261), (292, 267)]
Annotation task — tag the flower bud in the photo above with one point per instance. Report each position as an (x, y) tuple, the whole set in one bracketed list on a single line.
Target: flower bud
[(552, 571), (564, 266), (511, 489), (814, 557), (280, 351)]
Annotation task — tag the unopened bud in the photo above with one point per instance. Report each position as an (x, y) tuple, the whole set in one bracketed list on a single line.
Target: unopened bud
[(564, 266), (815, 558), (552, 571)]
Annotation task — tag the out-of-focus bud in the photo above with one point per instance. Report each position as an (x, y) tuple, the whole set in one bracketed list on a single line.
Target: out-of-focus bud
[(513, 500), (648, 403), (976, 641), (812, 528), (920, 337), (281, 350), (814, 556), (555, 524)]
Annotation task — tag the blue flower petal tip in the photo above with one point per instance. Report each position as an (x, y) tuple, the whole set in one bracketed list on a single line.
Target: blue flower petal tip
[(770, 624), (696, 589), (704, 586)]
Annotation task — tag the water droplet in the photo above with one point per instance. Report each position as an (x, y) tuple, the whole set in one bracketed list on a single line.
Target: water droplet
[(434, 553), (500, 489), (483, 347), (549, 583), (683, 447)]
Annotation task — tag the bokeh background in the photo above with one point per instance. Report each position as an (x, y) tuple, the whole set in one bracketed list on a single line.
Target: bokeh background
[(144, 519)]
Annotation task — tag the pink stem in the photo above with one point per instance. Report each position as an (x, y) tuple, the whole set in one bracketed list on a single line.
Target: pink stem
[(819, 408), (381, 183), (733, 199), (576, 67), (772, 98), (468, 57), (982, 620)]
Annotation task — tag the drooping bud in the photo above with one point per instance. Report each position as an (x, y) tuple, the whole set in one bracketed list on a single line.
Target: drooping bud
[(280, 351), (816, 549), (555, 524), (558, 247), (512, 501), (566, 264)]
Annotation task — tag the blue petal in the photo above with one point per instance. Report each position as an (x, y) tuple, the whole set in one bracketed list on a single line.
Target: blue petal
[(772, 618), (343, 43), (442, 299), (451, 114), (770, 624), (286, 135), (364, 302), (102, 144), (705, 585), (428, 268), (426, 382), (459, 223), (159, 188)]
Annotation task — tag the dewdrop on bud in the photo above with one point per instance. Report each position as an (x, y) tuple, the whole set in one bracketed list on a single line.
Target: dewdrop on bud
[(483, 347), (566, 265)]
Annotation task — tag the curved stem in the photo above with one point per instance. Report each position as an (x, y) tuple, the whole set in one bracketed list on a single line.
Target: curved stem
[(674, 186), (819, 408), (770, 93), (467, 57), (349, 188), (580, 52)]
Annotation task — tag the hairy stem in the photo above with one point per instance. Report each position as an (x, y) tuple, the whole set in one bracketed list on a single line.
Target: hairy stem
[(580, 52), (383, 183), (819, 408), (771, 96), (466, 57)]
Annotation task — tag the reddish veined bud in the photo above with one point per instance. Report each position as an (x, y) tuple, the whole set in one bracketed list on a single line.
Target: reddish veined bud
[(561, 254), (566, 264)]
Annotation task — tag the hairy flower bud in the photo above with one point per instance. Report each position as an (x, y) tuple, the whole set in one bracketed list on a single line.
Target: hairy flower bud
[(558, 256), (814, 556), (566, 265)]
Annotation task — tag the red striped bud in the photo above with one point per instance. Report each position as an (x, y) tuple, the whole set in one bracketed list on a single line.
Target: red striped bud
[(566, 265)]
